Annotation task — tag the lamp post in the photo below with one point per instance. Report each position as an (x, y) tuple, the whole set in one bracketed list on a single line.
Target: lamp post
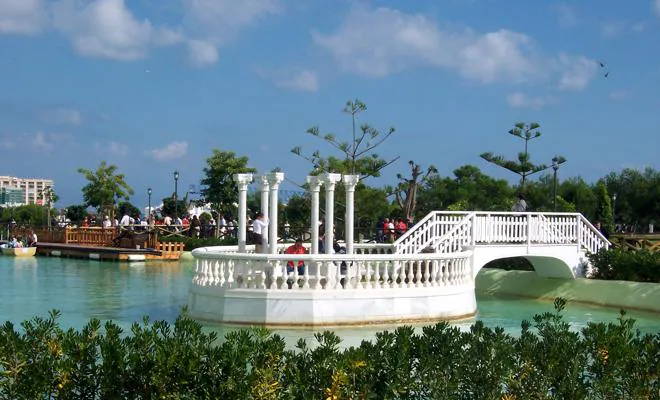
[(176, 194), (149, 207), (614, 210), (556, 162)]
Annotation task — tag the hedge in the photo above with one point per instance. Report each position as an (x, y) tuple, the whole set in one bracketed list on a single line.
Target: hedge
[(182, 361)]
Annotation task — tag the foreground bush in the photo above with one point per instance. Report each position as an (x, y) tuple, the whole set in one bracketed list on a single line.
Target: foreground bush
[(624, 265), (159, 361)]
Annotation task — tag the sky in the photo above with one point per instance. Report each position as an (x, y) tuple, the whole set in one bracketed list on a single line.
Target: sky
[(152, 86)]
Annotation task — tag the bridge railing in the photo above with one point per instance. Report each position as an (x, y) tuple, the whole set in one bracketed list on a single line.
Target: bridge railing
[(462, 229), (334, 272), (426, 232)]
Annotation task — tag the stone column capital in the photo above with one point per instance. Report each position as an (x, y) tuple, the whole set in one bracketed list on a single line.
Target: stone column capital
[(263, 181), (329, 179), (243, 179), (350, 181), (275, 178), (314, 183)]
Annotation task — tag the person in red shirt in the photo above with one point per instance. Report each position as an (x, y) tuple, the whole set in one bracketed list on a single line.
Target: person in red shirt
[(296, 248), (400, 227)]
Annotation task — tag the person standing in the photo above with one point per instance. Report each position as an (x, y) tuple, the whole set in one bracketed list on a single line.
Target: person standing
[(520, 205), (259, 232)]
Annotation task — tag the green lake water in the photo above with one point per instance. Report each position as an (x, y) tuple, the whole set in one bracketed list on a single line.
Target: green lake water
[(125, 292)]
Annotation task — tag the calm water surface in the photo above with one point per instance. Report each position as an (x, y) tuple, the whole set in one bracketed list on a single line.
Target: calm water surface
[(125, 292)]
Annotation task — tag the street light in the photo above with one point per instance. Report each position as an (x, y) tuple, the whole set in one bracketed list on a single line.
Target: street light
[(614, 210), (556, 162), (176, 194), (149, 208)]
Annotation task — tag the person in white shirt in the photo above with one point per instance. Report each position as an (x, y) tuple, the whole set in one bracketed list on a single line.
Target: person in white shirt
[(106, 222), (125, 220), (259, 232)]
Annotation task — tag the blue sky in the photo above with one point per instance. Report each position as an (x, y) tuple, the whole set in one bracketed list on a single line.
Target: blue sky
[(154, 85)]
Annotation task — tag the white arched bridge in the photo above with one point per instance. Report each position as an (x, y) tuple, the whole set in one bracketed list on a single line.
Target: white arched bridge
[(427, 274)]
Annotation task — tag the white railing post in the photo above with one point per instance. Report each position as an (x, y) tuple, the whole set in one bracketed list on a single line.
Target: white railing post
[(473, 242), (529, 232), (578, 230)]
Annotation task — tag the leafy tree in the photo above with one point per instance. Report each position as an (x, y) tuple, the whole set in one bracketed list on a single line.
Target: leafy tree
[(523, 166), (637, 193), (405, 193), (219, 186), (580, 194), (126, 208), (172, 207), (469, 189), (358, 157), (105, 188), (604, 208), (76, 213)]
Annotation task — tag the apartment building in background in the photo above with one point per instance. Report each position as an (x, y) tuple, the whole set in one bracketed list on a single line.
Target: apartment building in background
[(22, 191)]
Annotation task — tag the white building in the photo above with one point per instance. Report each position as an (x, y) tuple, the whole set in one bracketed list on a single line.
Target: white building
[(31, 188)]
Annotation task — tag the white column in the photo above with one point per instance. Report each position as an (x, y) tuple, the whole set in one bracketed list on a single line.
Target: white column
[(315, 183), (274, 179), (264, 186), (329, 180), (350, 181), (243, 180)]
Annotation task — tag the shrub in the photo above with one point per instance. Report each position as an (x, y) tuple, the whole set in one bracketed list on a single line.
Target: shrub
[(182, 361), (619, 264)]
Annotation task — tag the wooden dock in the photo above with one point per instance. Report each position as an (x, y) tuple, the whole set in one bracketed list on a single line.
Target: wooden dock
[(107, 253)]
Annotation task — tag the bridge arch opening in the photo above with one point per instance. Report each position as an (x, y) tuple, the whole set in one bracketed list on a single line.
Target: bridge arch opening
[(544, 266)]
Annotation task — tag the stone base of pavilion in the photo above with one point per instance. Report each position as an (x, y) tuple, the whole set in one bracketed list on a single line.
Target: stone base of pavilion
[(331, 308)]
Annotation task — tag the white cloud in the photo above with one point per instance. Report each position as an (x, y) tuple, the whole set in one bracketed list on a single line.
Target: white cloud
[(577, 72), (298, 79), (63, 116), (108, 29), (620, 95), (610, 29), (567, 16), (306, 81), (22, 17), (382, 41), (212, 23), (172, 151), (521, 100), (201, 53), (40, 141), (117, 148)]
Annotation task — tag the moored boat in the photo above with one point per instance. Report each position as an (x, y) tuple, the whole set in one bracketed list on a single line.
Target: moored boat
[(19, 251)]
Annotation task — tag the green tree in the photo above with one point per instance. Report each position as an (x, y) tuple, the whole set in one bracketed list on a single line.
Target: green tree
[(219, 187), (76, 213), (522, 166), (357, 155), (105, 188), (604, 208), (469, 189), (126, 208)]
